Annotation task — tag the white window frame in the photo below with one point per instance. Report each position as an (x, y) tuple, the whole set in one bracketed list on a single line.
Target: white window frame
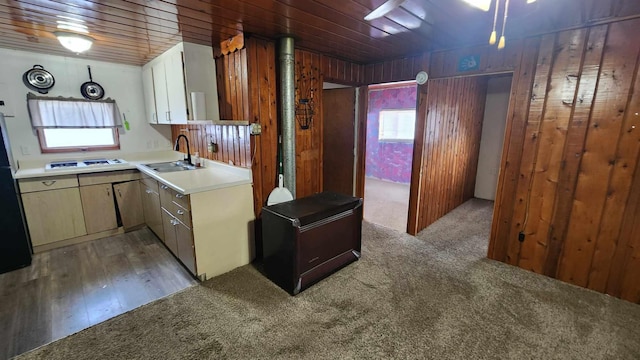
[(397, 115), (46, 148)]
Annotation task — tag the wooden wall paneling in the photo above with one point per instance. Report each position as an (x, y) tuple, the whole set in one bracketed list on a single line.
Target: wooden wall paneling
[(419, 145), (619, 275), (558, 109), (401, 69), (619, 189), (515, 254), (453, 114), (625, 268), (261, 61), (363, 103), (521, 90), (594, 181), (575, 143), (233, 141), (340, 71), (309, 142)]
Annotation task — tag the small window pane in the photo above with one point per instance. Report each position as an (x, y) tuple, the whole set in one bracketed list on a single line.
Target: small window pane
[(68, 138), (397, 125)]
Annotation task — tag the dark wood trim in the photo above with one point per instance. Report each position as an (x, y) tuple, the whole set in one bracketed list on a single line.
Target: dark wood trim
[(363, 106)]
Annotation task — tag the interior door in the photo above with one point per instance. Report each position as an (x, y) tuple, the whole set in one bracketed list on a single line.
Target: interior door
[(339, 109)]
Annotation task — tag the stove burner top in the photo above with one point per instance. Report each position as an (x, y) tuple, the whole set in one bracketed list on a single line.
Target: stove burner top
[(64, 164), (83, 163)]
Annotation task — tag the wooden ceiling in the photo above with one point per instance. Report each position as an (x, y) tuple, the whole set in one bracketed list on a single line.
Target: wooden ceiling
[(135, 31)]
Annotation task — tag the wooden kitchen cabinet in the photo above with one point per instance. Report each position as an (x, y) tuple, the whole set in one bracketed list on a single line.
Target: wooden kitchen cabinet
[(176, 220), (98, 208), (54, 215), (129, 204), (170, 237), (179, 239), (186, 251), (151, 207)]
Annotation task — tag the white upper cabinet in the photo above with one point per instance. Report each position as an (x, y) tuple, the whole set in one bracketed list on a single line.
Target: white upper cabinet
[(149, 95), (170, 79)]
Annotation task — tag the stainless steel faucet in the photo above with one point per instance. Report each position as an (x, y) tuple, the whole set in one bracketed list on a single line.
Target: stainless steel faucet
[(177, 148)]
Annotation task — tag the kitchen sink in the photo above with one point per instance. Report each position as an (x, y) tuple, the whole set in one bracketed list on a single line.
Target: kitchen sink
[(170, 166)]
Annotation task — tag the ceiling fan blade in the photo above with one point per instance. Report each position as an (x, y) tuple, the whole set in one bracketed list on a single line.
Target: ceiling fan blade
[(384, 9)]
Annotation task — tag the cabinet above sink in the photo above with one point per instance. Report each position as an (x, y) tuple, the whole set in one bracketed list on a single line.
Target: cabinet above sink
[(169, 80)]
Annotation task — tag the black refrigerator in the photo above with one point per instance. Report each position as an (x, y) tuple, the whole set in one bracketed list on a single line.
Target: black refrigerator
[(15, 245)]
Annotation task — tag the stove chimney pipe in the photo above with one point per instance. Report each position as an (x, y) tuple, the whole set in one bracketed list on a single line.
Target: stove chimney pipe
[(288, 111)]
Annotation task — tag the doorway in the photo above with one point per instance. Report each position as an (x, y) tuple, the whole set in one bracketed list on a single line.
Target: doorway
[(391, 116)]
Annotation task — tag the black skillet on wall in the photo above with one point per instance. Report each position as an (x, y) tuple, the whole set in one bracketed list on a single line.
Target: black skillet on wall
[(38, 79), (91, 90)]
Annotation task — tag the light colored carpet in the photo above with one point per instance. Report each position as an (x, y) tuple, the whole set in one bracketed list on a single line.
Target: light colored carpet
[(434, 296), (386, 203)]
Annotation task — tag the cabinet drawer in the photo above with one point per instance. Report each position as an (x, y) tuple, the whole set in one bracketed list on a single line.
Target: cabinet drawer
[(168, 195), (48, 183), (108, 177), (150, 183), (181, 214)]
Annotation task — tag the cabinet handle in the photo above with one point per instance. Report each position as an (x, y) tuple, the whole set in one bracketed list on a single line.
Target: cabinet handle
[(148, 191), (108, 193), (180, 212), (119, 193), (167, 115), (164, 187), (179, 196), (48, 183), (173, 222)]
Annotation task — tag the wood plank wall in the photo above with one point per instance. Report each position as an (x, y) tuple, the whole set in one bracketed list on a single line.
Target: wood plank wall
[(569, 178), (233, 86), (394, 70), (309, 142), (232, 142), (450, 113)]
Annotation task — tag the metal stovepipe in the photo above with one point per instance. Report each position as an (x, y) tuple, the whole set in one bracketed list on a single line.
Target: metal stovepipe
[(288, 111)]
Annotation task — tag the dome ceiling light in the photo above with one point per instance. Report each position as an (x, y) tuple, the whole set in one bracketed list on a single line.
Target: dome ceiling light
[(76, 43)]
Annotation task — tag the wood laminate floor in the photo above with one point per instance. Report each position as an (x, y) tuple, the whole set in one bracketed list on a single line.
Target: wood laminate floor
[(72, 288)]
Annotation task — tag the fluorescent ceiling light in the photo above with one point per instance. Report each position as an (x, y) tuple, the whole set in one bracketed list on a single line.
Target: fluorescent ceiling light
[(76, 43), (530, 1), (483, 5)]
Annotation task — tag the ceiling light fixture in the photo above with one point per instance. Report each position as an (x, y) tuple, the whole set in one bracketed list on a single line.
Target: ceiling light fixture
[(76, 43), (483, 5), (71, 26), (493, 36)]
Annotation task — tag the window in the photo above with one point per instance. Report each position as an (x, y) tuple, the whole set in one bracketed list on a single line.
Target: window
[(78, 139), (397, 125), (67, 124)]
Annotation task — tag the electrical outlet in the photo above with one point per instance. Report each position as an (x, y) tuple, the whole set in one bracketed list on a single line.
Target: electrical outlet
[(213, 147), (255, 129)]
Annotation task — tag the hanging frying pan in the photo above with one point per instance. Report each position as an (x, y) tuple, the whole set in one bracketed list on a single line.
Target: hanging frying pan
[(91, 90), (38, 79)]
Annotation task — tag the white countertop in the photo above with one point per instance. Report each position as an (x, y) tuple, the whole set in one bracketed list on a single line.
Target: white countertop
[(215, 175)]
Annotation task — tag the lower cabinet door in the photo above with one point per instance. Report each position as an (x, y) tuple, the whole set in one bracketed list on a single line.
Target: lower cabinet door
[(129, 203), (169, 224), (152, 210), (186, 251), (54, 215), (98, 207)]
